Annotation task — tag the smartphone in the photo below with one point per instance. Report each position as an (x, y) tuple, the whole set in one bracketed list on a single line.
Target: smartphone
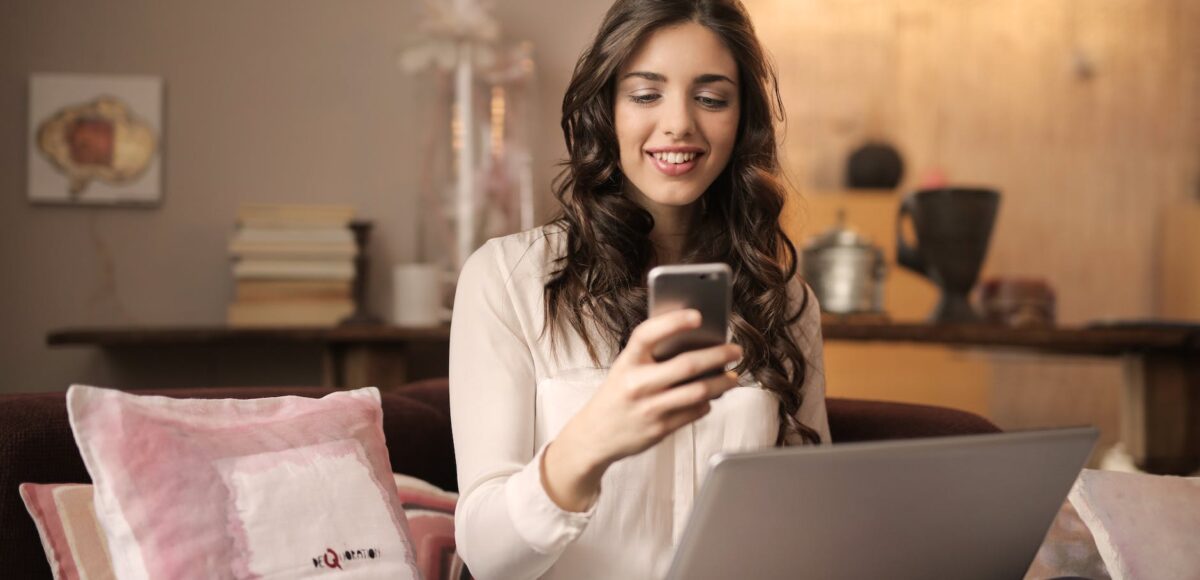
[(704, 287)]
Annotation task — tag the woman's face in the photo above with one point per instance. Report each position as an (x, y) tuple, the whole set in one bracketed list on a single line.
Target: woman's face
[(676, 114)]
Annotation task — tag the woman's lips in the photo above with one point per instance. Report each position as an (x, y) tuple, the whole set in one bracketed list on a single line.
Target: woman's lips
[(674, 169)]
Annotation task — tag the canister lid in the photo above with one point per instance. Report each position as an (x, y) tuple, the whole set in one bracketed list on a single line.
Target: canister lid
[(839, 235)]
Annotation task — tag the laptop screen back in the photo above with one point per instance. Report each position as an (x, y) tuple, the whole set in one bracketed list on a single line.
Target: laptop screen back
[(974, 506)]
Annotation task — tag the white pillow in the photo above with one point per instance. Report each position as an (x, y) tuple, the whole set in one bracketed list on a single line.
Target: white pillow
[(1146, 526)]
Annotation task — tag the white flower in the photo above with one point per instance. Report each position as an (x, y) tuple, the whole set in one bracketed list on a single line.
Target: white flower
[(447, 25)]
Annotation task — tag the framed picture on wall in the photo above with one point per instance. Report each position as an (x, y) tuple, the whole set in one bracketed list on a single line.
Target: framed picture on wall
[(95, 139)]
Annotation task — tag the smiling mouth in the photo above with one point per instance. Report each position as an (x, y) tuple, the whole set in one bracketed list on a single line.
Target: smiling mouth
[(674, 163)]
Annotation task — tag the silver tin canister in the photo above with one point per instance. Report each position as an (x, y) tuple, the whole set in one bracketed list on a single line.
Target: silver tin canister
[(845, 270)]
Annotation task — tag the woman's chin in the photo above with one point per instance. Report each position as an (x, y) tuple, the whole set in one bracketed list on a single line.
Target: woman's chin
[(675, 199)]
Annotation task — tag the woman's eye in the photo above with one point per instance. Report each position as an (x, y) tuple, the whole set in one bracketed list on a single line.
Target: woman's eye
[(643, 99), (711, 102)]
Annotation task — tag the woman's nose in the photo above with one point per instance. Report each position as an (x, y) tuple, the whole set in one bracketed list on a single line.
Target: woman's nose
[(677, 120)]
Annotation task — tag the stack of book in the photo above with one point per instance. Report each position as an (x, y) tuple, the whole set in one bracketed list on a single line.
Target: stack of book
[(293, 265)]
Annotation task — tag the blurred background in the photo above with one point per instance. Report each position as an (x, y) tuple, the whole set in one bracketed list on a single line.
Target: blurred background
[(1085, 116)]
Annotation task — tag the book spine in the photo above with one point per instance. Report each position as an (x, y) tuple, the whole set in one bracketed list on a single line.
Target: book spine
[(338, 236), (294, 269), (291, 313), (283, 290)]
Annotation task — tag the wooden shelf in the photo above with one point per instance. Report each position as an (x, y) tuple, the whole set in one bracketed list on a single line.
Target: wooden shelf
[(1091, 340), (1161, 402), (1099, 341), (200, 335)]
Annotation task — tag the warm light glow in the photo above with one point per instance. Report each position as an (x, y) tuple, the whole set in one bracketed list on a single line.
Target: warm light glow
[(456, 129), (497, 121)]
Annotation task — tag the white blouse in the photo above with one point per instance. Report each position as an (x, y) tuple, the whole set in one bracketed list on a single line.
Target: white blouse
[(510, 395)]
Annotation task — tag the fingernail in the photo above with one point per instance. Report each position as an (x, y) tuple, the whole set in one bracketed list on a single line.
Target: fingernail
[(693, 316)]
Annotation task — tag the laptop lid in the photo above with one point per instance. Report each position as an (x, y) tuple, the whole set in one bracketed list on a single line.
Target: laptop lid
[(975, 506)]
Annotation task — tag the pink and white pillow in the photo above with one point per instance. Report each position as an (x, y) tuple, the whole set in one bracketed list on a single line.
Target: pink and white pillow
[(286, 487), (76, 548)]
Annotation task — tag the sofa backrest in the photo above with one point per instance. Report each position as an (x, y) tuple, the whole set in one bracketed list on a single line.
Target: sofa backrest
[(36, 445)]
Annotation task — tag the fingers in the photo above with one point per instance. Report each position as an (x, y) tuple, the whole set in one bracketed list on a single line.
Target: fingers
[(654, 330), (685, 366), (681, 417), (691, 394)]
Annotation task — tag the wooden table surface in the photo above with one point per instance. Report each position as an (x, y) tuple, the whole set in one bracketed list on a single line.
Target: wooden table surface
[(1112, 339), (179, 335), (1160, 406), (1084, 340)]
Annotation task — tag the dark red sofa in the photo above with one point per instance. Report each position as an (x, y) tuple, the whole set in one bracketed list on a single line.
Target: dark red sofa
[(36, 444)]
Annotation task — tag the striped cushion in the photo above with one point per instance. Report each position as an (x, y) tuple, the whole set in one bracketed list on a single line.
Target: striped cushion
[(66, 521), (430, 512)]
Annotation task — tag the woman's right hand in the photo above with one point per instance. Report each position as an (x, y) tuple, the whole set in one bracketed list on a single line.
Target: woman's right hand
[(634, 408)]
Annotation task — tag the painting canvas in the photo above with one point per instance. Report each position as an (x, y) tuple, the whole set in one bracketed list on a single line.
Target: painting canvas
[(95, 139)]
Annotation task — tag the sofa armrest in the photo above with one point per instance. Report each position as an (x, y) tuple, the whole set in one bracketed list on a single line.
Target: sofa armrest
[(36, 446)]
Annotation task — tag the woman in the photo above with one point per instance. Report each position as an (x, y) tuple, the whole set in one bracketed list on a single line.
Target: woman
[(575, 458)]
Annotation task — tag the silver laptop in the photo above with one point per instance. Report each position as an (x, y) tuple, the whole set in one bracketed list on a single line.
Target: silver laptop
[(975, 506)]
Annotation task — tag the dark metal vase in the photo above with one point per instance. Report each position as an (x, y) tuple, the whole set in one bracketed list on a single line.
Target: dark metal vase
[(953, 227)]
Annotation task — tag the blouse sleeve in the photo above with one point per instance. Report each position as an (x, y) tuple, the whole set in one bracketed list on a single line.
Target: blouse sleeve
[(807, 332), (506, 526)]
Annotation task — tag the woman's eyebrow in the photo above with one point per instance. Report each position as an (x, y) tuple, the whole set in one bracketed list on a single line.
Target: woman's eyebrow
[(712, 78), (650, 76), (704, 79)]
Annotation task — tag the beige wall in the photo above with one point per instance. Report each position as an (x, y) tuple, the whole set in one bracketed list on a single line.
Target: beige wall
[(274, 100), (1088, 162), (300, 100)]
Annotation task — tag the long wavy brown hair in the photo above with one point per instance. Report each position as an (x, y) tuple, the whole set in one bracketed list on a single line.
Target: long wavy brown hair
[(599, 286)]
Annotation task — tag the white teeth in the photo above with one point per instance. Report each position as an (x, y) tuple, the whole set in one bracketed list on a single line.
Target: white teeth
[(674, 157)]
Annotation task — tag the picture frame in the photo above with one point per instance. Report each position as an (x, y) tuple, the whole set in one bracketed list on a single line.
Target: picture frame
[(95, 139)]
